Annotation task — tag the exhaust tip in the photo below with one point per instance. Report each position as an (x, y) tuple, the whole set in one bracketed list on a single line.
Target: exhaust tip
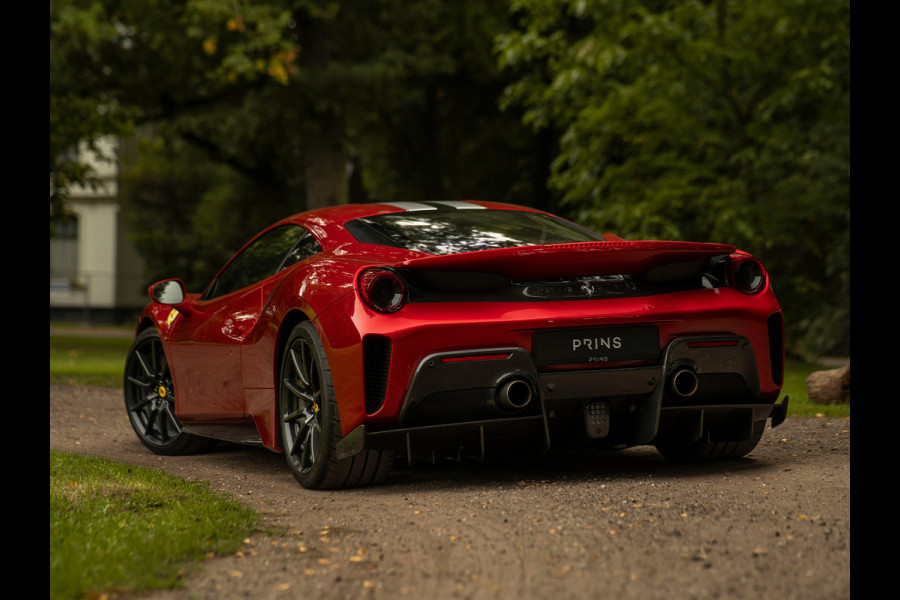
[(514, 394), (683, 383)]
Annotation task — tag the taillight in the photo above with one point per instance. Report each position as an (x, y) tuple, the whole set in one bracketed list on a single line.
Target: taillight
[(746, 274), (382, 289)]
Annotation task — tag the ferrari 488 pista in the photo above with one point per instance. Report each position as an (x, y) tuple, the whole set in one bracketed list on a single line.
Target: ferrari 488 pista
[(347, 337)]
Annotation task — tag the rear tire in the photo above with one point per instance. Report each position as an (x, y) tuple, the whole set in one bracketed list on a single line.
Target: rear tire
[(696, 452), (310, 426)]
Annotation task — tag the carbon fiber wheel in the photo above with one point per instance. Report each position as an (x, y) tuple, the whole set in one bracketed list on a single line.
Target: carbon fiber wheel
[(150, 399), (309, 422)]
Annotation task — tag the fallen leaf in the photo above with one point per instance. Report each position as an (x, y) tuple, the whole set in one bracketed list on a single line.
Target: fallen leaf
[(562, 572)]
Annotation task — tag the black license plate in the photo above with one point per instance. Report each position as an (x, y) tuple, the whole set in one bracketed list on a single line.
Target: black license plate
[(596, 345)]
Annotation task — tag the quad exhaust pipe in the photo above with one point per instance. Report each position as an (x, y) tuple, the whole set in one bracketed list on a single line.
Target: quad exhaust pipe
[(514, 394)]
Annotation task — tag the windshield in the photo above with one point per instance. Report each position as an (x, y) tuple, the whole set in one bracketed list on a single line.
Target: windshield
[(455, 231)]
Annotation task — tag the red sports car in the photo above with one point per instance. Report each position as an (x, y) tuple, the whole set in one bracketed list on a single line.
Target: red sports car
[(346, 336)]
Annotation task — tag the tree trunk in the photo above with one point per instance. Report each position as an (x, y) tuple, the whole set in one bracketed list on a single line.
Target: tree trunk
[(326, 171), (325, 158)]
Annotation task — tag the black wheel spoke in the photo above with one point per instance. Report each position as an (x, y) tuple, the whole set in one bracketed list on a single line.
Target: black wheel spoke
[(143, 364), (153, 356), (314, 438), (301, 365), (298, 389), (171, 419), (309, 449), (151, 429), (138, 404), (161, 424), (138, 382), (295, 416)]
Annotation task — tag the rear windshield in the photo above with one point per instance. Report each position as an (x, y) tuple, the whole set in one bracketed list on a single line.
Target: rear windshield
[(455, 231)]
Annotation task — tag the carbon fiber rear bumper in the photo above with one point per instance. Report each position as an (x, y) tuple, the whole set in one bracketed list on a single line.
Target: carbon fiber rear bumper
[(456, 402)]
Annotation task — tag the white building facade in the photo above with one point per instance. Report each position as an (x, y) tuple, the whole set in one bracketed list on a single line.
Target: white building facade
[(95, 273)]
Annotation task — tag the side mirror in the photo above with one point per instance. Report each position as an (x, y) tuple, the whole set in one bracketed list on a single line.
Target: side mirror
[(170, 292)]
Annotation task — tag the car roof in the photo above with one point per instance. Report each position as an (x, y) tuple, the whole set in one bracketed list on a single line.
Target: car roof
[(348, 212)]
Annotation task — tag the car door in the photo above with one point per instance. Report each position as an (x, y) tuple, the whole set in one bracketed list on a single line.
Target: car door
[(206, 346)]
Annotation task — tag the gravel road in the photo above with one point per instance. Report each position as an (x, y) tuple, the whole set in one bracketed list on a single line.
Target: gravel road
[(580, 524)]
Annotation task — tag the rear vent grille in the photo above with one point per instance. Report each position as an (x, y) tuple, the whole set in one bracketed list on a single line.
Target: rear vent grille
[(776, 347), (377, 365)]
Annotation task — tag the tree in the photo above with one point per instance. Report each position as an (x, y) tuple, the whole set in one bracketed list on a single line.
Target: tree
[(296, 104), (721, 121), (81, 112)]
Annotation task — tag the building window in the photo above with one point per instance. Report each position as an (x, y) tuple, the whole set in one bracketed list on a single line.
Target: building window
[(63, 253)]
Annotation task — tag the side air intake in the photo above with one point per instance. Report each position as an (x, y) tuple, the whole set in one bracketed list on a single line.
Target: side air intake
[(377, 364)]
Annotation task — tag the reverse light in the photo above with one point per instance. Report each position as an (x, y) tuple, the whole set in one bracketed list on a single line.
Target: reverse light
[(382, 289), (746, 274)]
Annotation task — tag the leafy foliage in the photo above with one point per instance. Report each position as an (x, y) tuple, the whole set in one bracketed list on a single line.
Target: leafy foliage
[(721, 121), (710, 120), (81, 111), (254, 109), (188, 213)]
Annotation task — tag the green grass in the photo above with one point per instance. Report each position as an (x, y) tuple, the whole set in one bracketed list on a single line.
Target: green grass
[(117, 527), (88, 360)]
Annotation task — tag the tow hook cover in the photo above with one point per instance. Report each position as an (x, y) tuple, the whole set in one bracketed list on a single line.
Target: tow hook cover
[(596, 419)]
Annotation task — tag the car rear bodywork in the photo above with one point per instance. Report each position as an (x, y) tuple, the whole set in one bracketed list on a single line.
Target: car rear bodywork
[(612, 343)]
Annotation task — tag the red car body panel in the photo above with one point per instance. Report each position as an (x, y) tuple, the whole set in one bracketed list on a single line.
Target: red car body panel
[(224, 353)]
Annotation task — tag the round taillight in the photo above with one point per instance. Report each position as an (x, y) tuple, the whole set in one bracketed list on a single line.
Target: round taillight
[(382, 289), (746, 274)]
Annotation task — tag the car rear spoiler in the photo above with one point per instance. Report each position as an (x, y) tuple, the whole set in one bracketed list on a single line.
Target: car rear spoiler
[(572, 260)]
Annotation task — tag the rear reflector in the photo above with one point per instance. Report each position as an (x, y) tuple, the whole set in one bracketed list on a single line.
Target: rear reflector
[(712, 344), (453, 359)]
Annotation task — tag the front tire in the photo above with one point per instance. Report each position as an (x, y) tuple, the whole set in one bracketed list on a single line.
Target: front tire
[(310, 426), (150, 399)]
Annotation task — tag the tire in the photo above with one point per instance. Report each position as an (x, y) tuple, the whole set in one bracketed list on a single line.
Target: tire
[(309, 424), (696, 452), (150, 399)]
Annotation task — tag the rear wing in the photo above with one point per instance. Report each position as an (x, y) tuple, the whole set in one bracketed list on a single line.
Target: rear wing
[(572, 260)]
